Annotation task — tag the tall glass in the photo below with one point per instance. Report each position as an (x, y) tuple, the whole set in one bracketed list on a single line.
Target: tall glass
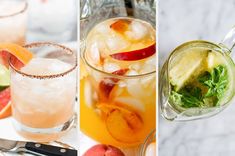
[(43, 92), (13, 16), (117, 104)]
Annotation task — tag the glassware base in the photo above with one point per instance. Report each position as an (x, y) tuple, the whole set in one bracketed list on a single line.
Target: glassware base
[(43, 134)]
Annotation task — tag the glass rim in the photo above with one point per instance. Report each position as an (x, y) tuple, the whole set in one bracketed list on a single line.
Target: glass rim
[(49, 76), (191, 43), (18, 12), (111, 74), (115, 75)]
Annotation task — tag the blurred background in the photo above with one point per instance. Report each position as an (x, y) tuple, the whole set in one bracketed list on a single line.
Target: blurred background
[(181, 21), (52, 20)]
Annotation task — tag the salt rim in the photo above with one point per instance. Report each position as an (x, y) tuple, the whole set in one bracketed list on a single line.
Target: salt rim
[(37, 44)]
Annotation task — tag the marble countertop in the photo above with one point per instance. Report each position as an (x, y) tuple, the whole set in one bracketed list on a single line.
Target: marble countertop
[(181, 21)]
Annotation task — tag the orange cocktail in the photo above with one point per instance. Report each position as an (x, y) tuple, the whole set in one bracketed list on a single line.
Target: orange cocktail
[(117, 100)]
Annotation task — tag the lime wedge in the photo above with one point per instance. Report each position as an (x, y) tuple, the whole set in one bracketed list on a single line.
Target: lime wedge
[(4, 76)]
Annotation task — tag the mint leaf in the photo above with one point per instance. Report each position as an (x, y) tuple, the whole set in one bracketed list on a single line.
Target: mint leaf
[(190, 96), (216, 82)]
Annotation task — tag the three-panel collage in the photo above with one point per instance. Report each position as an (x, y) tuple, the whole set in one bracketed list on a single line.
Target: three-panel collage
[(117, 77)]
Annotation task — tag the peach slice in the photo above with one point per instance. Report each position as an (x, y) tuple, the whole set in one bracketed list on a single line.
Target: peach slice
[(103, 150), (135, 54), (122, 123), (120, 25), (123, 126), (107, 84)]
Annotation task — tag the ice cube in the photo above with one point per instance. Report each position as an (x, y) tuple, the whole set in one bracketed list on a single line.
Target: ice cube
[(138, 31), (94, 53), (151, 61), (121, 84), (116, 43), (148, 81), (103, 28), (135, 66), (110, 67), (147, 68), (88, 94), (132, 73)]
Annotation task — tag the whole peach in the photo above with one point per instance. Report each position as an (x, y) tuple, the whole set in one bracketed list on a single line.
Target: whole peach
[(103, 150)]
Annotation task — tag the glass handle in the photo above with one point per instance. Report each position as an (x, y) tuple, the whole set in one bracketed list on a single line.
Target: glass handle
[(229, 40)]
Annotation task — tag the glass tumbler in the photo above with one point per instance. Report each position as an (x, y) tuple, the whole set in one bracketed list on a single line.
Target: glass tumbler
[(197, 80), (13, 19), (43, 92)]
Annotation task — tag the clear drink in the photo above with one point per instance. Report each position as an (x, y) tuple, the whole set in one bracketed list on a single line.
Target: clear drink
[(118, 82), (13, 16), (43, 94)]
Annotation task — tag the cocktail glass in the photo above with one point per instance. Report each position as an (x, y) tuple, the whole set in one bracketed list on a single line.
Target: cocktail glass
[(43, 92), (13, 16), (117, 97)]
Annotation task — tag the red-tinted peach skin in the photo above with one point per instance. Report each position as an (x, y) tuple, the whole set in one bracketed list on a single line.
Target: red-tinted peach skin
[(103, 150), (135, 54), (106, 86)]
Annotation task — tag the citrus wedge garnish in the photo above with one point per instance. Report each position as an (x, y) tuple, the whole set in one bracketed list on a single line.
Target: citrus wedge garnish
[(4, 76), (5, 104), (20, 55)]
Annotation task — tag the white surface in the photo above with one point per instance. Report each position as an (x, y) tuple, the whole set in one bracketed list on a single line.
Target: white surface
[(181, 21), (7, 132)]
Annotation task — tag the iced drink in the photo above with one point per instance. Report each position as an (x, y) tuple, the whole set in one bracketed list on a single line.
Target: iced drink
[(118, 82)]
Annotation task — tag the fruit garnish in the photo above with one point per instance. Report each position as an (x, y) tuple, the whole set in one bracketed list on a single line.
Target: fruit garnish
[(124, 126), (103, 150), (120, 25), (107, 84), (19, 55), (4, 76), (5, 104), (185, 66), (121, 122), (135, 54)]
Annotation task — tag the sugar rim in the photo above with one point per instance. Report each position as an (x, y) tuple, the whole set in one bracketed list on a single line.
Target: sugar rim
[(18, 12), (38, 44)]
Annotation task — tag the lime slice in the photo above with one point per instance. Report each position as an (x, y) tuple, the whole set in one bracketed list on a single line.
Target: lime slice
[(4, 76)]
